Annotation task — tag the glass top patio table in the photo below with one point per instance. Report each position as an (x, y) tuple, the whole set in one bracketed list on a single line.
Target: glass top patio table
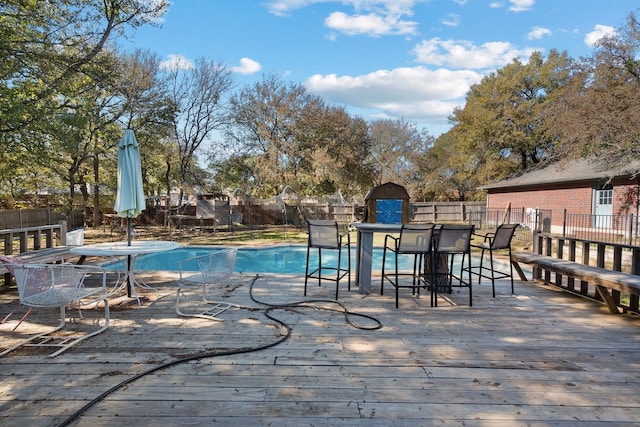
[(132, 251)]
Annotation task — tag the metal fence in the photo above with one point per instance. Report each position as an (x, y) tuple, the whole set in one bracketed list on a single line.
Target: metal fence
[(529, 220), (621, 229)]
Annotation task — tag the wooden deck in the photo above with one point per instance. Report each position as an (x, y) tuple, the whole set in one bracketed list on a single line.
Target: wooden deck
[(537, 358)]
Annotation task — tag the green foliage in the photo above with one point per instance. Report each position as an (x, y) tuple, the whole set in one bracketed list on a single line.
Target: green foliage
[(598, 114), (66, 93), (295, 139), (397, 147)]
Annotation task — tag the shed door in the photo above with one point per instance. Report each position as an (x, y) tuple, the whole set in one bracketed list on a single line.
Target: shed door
[(603, 208), (389, 211)]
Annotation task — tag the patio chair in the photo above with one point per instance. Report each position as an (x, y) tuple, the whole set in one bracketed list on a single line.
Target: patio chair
[(414, 240), (201, 273), (325, 235), (8, 262), (59, 286), (500, 240), (452, 241)]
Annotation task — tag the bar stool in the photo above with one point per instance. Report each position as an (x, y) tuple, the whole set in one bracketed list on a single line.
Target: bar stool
[(326, 235), (415, 240), (495, 241), (452, 241)]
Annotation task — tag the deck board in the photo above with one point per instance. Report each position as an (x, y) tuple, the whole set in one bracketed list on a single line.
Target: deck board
[(540, 357)]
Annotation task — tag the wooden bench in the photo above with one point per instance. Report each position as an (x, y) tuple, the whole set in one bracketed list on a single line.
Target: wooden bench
[(556, 254), (40, 244)]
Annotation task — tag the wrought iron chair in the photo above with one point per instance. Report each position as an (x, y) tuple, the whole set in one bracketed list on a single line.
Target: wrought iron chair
[(452, 241), (325, 235), (199, 274), (8, 262), (500, 240), (414, 240), (59, 286)]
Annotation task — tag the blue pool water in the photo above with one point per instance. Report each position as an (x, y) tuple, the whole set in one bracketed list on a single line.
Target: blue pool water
[(288, 259)]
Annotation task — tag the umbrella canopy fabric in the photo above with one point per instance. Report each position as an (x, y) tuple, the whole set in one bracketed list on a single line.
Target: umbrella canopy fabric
[(130, 195)]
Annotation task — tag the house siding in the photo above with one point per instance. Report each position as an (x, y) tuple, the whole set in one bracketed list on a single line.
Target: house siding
[(576, 198), (625, 196)]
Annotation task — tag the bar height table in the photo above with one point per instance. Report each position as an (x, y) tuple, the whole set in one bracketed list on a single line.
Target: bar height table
[(364, 250)]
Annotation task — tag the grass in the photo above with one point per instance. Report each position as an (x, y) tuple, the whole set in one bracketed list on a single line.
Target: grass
[(194, 236)]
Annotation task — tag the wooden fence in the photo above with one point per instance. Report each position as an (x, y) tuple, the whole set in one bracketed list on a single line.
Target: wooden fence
[(36, 217), (266, 214)]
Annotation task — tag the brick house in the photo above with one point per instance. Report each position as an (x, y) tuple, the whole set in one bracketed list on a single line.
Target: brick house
[(579, 186)]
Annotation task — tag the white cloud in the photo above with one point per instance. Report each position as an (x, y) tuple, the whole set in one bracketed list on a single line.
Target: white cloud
[(599, 32), (370, 24), (247, 66), (283, 7), (537, 33), (464, 54), (451, 20), (176, 62), (495, 5), (521, 5), (418, 94), (369, 17)]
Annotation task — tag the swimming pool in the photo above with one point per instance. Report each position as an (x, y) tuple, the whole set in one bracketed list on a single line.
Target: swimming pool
[(286, 259)]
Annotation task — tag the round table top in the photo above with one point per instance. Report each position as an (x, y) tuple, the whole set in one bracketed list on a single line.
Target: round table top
[(137, 247)]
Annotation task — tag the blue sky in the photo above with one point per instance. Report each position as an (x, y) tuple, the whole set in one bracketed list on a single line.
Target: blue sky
[(410, 59)]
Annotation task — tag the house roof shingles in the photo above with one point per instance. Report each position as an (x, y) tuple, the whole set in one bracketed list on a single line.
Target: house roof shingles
[(573, 171)]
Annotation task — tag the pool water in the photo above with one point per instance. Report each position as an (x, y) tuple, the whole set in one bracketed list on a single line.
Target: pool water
[(288, 259)]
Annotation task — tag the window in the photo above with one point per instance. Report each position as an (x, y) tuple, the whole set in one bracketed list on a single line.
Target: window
[(605, 197)]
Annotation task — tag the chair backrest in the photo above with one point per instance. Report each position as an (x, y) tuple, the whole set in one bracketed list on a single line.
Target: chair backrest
[(217, 265), (323, 234), (47, 285), (504, 234), (454, 238), (415, 238)]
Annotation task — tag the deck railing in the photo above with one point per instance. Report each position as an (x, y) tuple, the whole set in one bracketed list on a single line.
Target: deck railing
[(611, 256), (20, 240)]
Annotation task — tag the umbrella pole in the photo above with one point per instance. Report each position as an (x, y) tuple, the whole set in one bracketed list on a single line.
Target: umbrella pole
[(129, 272)]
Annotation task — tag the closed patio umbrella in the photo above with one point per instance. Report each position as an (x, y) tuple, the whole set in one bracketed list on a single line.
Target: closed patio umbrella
[(129, 194)]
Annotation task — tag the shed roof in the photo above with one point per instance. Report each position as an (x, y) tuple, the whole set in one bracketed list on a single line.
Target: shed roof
[(568, 171), (389, 190)]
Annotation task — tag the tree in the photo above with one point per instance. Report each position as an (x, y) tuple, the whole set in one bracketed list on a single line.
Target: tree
[(54, 80), (45, 44), (196, 94), (598, 114), (263, 124), (396, 147), (295, 139), (337, 153), (445, 172), (504, 123)]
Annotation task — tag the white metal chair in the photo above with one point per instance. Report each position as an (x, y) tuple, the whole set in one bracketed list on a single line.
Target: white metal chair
[(325, 235), (199, 274), (60, 286)]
